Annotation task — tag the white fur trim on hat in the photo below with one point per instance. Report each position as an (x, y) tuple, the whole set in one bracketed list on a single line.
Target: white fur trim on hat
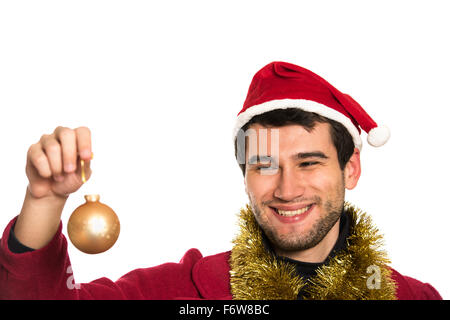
[(306, 105)]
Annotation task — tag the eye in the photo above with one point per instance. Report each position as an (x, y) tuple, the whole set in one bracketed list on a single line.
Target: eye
[(259, 168), (266, 169), (308, 164)]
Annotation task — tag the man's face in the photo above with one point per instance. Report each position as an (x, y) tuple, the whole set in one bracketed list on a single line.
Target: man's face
[(299, 202)]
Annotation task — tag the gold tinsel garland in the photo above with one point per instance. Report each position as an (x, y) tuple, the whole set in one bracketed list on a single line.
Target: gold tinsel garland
[(257, 274)]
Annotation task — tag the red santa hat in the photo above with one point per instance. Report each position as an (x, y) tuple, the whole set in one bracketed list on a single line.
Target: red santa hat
[(281, 85)]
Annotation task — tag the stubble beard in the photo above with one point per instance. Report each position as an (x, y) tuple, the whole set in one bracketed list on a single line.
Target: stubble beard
[(332, 210)]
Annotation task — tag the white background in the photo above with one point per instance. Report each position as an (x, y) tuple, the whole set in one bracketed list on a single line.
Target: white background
[(160, 85)]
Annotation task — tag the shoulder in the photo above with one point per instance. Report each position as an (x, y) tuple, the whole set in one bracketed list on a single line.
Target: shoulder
[(193, 277), (165, 281), (211, 276), (412, 289)]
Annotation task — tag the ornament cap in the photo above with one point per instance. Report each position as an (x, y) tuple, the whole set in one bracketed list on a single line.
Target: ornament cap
[(92, 197)]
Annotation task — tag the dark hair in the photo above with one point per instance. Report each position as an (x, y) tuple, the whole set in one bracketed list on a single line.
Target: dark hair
[(342, 140)]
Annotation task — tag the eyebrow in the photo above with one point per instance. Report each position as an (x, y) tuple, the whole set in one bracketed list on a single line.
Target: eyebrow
[(300, 155), (312, 154)]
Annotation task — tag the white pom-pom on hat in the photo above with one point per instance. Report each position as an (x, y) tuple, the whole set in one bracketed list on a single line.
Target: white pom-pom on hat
[(378, 136)]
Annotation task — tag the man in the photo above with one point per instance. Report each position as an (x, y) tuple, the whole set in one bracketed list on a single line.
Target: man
[(298, 143)]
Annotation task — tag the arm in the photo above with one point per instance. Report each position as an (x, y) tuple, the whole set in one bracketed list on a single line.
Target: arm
[(46, 273), (53, 174)]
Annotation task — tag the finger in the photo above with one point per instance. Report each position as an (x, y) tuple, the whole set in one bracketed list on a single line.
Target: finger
[(39, 160), (84, 144), (52, 150), (68, 142)]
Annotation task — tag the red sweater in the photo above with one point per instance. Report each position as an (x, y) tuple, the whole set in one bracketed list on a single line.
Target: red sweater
[(47, 274)]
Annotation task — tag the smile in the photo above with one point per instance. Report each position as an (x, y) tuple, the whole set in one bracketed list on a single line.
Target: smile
[(293, 212), (292, 216)]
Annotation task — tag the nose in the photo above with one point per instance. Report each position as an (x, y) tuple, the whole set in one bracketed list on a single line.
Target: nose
[(289, 186)]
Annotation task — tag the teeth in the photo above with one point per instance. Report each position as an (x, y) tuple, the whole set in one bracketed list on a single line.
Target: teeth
[(293, 213)]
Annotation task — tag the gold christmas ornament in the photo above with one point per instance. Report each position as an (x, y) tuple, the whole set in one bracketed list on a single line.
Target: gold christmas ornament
[(93, 227)]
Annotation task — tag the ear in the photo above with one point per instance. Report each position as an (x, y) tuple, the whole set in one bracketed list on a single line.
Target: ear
[(352, 170)]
